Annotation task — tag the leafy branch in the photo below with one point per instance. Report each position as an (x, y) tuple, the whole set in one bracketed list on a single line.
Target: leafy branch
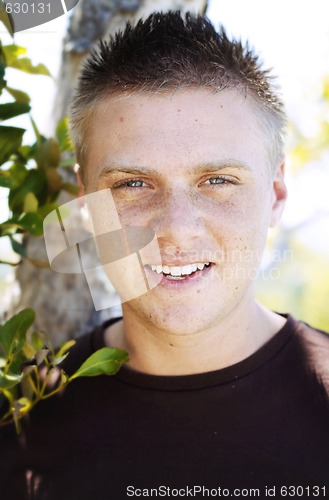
[(30, 369), (32, 173)]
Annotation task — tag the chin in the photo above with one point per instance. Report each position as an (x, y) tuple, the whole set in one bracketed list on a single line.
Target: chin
[(179, 319)]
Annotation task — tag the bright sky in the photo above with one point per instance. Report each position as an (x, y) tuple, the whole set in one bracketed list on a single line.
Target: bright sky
[(291, 35)]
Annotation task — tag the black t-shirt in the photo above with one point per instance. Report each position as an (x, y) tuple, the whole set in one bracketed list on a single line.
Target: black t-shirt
[(260, 424)]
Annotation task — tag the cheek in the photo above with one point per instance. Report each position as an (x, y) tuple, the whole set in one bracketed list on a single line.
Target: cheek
[(241, 226), (136, 212), (241, 212)]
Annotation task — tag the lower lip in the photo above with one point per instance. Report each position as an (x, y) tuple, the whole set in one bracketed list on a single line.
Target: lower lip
[(186, 282)]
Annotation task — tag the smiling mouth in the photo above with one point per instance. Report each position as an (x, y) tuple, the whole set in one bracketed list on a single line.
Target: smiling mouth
[(179, 273)]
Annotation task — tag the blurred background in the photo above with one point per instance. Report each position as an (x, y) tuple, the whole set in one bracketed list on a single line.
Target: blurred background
[(293, 39)]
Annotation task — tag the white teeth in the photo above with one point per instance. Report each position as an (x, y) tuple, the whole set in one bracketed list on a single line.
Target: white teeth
[(187, 269), (175, 271), (179, 270)]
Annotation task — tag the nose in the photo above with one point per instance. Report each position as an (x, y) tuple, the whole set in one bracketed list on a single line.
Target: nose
[(178, 217)]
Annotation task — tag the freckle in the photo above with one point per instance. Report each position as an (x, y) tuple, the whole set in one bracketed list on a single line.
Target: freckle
[(178, 110), (171, 345), (196, 120), (121, 119)]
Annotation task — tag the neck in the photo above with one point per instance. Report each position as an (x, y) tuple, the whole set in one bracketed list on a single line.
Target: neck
[(153, 351)]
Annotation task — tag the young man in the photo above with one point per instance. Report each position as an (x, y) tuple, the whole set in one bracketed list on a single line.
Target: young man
[(221, 397)]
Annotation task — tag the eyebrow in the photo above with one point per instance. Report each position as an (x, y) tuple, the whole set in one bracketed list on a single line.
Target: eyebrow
[(199, 169)]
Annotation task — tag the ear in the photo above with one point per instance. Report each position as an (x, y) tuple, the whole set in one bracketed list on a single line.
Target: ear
[(81, 200), (79, 179), (279, 194)]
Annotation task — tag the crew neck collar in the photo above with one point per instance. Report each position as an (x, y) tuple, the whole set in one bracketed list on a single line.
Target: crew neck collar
[(201, 380)]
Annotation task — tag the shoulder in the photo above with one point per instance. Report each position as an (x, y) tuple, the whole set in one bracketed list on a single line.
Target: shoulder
[(314, 344), (316, 341)]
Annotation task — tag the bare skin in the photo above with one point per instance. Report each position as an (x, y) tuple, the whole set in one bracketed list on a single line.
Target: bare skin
[(194, 168)]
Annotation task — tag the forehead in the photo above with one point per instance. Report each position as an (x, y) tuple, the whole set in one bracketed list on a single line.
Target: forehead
[(183, 129)]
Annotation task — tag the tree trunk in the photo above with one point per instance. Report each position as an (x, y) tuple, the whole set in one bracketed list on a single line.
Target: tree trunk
[(62, 301)]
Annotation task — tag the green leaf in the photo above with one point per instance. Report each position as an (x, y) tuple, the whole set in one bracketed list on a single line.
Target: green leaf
[(29, 353), (18, 173), (12, 109), (13, 52), (10, 141), (65, 347), (19, 96), (34, 182), (104, 361), (18, 247), (13, 332), (29, 221), (24, 401), (37, 341), (14, 176), (8, 380), (48, 153), (41, 355), (26, 152), (58, 361), (6, 180), (17, 349), (7, 229), (36, 131), (62, 135), (3, 82), (30, 203), (44, 210), (13, 58), (25, 64)]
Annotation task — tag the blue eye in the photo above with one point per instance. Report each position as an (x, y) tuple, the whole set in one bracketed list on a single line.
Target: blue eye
[(131, 184), (217, 180), (134, 184)]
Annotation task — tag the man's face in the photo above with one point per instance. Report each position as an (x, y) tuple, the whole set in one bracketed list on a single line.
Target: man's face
[(194, 168)]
